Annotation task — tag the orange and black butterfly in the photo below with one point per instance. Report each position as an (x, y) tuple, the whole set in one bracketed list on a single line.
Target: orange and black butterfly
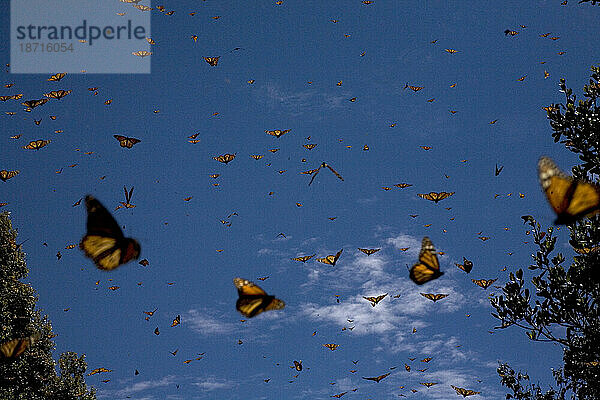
[(278, 132), (374, 300), (14, 348), (34, 103), (330, 259), (257, 156), (36, 144), (298, 365), (331, 346), (125, 141), (303, 258), (434, 297), (510, 32), (466, 266), (428, 267), (414, 88), (253, 300), (176, 321), (57, 94), (316, 172), (142, 53), (435, 197), (99, 370), (212, 61), (377, 378), (57, 77), (451, 51), (104, 241), (571, 199), (6, 175), (127, 202), (483, 283), (309, 146), (464, 392), (403, 185), (369, 251), (225, 158)]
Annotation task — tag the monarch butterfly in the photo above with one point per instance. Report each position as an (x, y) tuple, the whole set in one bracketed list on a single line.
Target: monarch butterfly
[(34, 103), (352, 99), (434, 297), (426, 147), (331, 346), (435, 197), (414, 88), (304, 258), (127, 202), (144, 263), (277, 132), (316, 172), (451, 51), (428, 267), (125, 141), (212, 61), (510, 32), (337, 396), (6, 175), (426, 360), (498, 170), (225, 158), (331, 259), (365, 147), (464, 392), (104, 241), (466, 266), (369, 251), (428, 384), (483, 283), (375, 300), (14, 348), (57, 94), (142, 53), (142, 7), (176, 321), (57, 77), (253, 300), (36, 144), (546, 74), (298, 365), (571, 199), (150, 40), (403, 185), (378, 378), (99, 370), (310, 146), (156, 331), (521, 79)]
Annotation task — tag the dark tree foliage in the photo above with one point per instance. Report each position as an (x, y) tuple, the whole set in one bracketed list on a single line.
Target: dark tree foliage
[(565, 309), (32, 375)]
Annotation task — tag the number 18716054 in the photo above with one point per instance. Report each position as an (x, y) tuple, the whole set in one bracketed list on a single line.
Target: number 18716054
[(35, 47)]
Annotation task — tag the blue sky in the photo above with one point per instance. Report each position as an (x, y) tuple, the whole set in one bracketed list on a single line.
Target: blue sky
[(282, 47)]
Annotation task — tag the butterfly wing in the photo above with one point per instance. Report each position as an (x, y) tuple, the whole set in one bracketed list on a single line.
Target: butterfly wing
[(104, 242), (428, 267), (253, 300)]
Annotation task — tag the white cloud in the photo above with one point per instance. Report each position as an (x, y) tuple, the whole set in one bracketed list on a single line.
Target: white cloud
[(145, 385), (203, 322), (211, 383)]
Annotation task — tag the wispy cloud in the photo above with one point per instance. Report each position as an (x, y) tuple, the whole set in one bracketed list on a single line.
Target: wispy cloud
[(206, 323), (212, 383), (145, 385), (300, 102)]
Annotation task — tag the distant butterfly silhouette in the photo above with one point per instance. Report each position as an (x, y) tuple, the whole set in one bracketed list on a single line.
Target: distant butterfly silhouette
[(466, 266), (483, 283), (375, 300), (125, 141), (464, 392), (369, 251), (498, 170), (212, 61), (331, 259), (303, 258), (428, 267), (377, 378), (225, 158), (253, 300), (434, 297), (331, 346), (435, 197), (277, 132), (316, 172)]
